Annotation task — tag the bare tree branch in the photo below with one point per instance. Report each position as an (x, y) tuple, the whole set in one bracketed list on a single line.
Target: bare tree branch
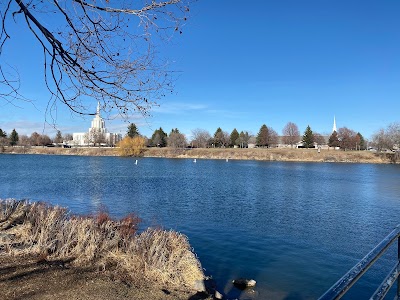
[(101, 50)]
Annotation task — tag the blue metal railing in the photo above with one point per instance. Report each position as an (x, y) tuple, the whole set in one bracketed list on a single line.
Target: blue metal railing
[(346, 282)]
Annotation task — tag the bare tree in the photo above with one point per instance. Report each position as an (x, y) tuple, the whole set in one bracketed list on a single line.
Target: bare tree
[(86, 139), (388, 138), (24, 141), (319, 139), (393, 132), (177, 140), (68, 137), (273, 137), (3, 142), (291, 134), (35, 139), (380, 140), (347, 138), (96, 137), (201, 138), (45, 140), (105, 49)]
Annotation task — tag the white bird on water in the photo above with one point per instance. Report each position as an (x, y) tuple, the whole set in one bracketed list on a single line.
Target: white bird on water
[(135, 162), (194, 160), (226, 160)]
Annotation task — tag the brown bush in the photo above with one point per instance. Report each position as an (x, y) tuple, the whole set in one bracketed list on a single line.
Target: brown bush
[(131, 146), (50, 233)]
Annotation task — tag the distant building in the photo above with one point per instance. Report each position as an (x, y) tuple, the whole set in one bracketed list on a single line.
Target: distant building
[(97, 134)]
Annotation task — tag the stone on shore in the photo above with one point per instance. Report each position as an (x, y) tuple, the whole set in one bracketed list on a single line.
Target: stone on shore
[(243, 283)]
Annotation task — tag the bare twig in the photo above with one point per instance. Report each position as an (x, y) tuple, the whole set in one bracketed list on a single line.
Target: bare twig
[(106, 51)]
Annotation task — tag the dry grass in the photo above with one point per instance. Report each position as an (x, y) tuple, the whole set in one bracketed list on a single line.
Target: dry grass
[(272, 154), (267, 154), (51, 234), (84, 151)]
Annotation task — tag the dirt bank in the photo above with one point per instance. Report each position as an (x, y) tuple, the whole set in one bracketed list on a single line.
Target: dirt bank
[(273, 154), (29, 278)]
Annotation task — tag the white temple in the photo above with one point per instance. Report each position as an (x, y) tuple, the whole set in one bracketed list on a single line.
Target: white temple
[(97, 134)]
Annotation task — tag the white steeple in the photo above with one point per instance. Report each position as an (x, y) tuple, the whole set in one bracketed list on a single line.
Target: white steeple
[(334, 124)]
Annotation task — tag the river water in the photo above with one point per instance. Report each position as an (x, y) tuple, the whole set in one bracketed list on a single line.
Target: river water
[(295, 228)]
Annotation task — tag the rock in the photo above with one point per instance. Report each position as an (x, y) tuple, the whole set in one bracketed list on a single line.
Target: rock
[(199, 286), (218, 295), (243, 283)]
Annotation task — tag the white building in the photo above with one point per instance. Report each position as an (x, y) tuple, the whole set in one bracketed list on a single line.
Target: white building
[(97, 134)]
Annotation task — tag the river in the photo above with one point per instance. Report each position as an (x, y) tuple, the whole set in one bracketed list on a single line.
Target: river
[(295, 228)]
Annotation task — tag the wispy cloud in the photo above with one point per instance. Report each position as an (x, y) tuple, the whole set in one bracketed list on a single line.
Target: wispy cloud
[(25, 127), (178, 107)]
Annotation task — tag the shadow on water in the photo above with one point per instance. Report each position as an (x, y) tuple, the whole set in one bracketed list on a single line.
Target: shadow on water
[(294, 296), (245, 294), (232, 292)]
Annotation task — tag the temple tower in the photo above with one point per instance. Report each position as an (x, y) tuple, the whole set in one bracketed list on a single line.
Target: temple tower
[(98, 123)]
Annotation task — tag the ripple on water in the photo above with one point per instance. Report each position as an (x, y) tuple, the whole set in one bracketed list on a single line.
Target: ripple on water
[(295, 228)]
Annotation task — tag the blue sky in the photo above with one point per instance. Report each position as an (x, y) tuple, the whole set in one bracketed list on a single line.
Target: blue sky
[(246, 63)]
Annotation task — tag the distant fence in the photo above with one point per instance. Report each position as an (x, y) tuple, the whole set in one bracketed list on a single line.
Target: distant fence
[(341, 287)]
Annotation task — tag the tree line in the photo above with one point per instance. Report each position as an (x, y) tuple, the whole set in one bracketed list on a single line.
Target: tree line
[(344, 138), (267, 137), (35, 139)]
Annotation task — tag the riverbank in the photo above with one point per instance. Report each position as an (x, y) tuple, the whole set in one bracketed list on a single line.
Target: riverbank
[(273, 154), (45, 253), (261, 154)]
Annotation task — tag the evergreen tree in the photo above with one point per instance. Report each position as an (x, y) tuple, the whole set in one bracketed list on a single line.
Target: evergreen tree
[(262, 136), (333, 140), (244, 139), (308, 138), (176, 130), (361, 141), (132, 130), (59, 137), (3, 140), (159, 138), (14, 138), (234, 137), (218, 137)]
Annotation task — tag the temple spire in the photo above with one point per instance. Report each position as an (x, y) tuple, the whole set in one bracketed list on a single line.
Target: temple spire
[(98, 108), (334, 124)]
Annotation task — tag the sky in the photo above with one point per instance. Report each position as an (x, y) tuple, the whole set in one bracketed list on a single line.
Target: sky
[(242, 64)]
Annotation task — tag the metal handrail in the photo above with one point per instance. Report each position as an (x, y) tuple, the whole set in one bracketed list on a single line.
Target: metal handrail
[(341, 287)]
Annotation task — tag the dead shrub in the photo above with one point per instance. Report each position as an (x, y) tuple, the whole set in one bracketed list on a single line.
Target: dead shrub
[(51, 233)]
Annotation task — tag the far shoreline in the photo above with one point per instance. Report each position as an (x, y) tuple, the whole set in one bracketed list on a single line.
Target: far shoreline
[(255, 154)]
